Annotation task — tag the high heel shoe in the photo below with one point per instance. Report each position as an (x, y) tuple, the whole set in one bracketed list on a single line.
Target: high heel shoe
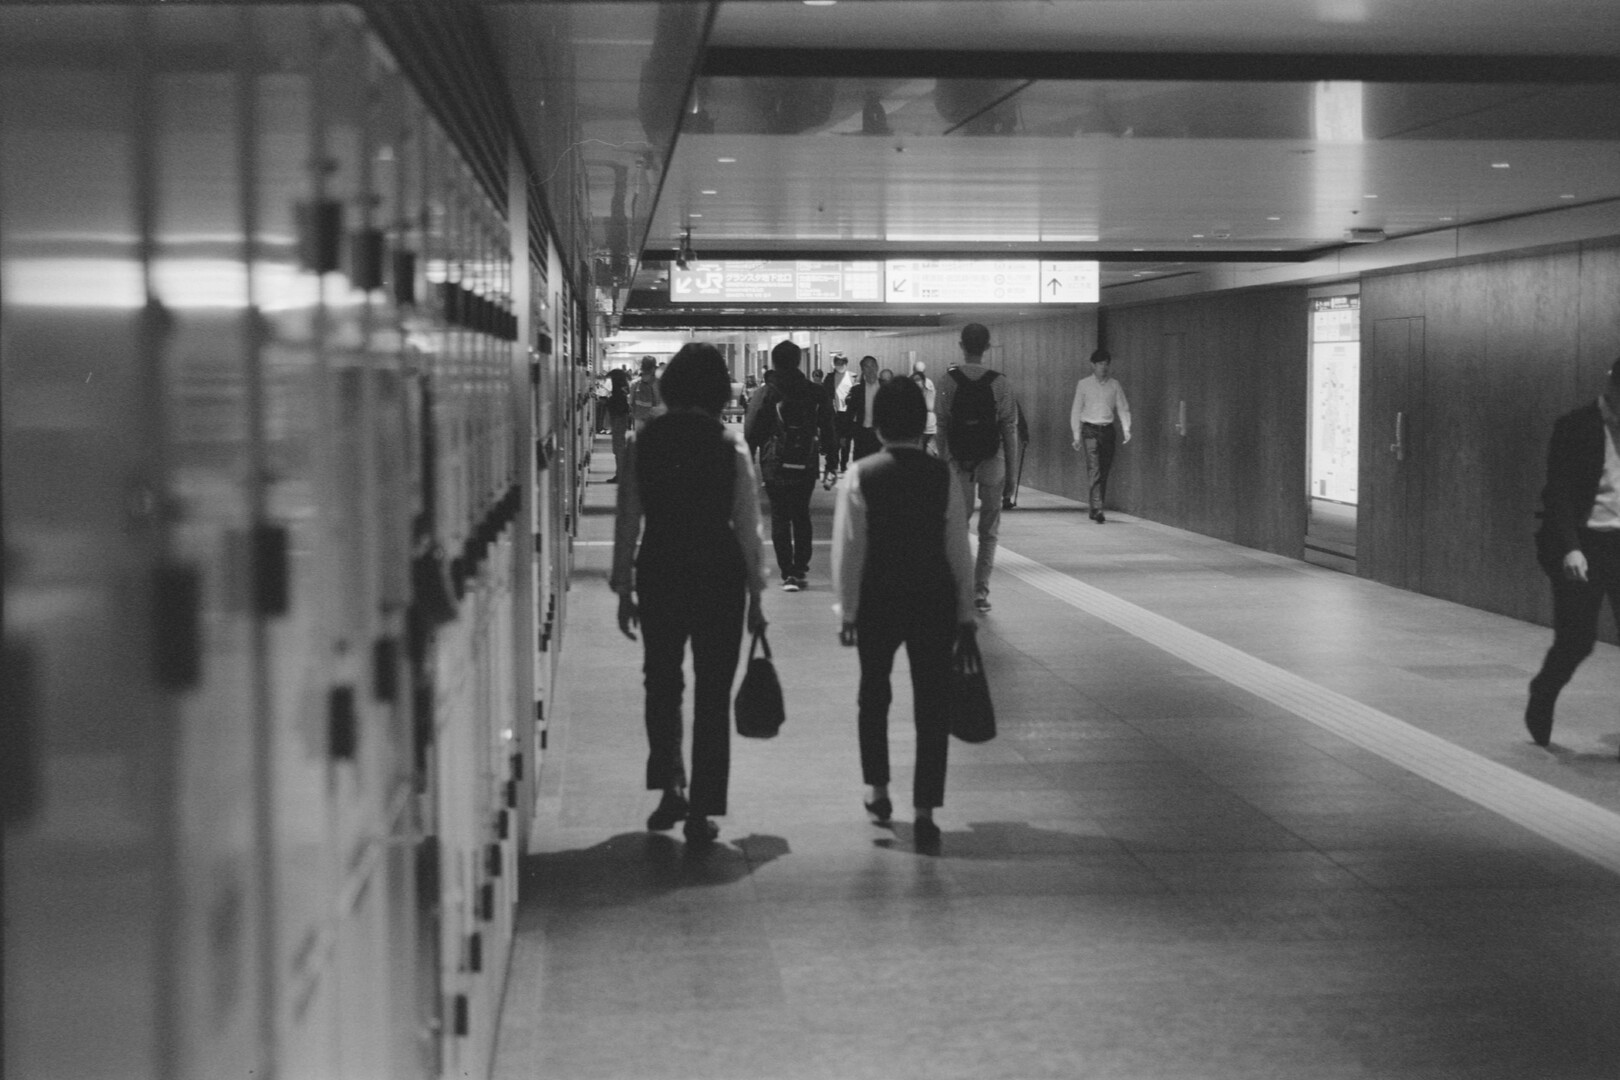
[(925, 836), (671, 809)]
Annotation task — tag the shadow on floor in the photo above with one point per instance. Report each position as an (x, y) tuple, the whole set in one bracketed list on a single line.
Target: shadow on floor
[(636, 866)]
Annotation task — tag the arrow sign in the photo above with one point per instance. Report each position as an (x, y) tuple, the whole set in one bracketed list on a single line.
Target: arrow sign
[(1054, 285)]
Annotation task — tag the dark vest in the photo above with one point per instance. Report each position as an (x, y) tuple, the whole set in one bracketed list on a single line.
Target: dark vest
[(906, 493), (686, 469)]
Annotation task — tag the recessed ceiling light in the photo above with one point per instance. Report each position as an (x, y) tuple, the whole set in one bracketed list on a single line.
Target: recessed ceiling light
[(1274, 218), (1138, 249), (1198, 236), (1566, 196), (819, 3), (694, 215), (726, 160), (1448, 218), (1369, 196), (1501, 165), (710, 191)]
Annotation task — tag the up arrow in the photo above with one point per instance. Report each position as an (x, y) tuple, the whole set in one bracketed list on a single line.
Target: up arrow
[(1054, 285)]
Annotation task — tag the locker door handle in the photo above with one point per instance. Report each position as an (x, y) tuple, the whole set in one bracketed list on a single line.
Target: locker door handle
[(1181, 419), (1398, 447)]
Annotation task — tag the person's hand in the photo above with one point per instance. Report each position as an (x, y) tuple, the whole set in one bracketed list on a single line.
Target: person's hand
[(1575, 565), (968, 660), (629, 616), (846, 634), (1077, 444), (756, 615)]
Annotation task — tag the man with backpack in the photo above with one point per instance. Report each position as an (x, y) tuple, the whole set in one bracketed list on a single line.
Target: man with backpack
[(978, 435), (790, 425)]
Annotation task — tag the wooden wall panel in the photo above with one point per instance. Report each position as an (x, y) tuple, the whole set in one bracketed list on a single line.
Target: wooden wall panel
[(1238, 360), (1043, 357), (1509, 345)]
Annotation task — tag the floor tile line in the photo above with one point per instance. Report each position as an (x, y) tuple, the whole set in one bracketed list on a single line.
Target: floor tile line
[(1568, 820)]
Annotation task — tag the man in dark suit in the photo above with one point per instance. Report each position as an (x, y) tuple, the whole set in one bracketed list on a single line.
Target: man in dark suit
[(858, 408), (1578, 545)]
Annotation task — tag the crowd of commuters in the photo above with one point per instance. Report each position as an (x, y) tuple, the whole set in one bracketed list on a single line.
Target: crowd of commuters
[(913, 462)]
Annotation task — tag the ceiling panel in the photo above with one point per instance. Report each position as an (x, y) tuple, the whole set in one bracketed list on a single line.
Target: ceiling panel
[(873, 151), (1513, 27)]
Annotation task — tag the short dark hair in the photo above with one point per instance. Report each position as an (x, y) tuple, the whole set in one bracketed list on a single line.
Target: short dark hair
[(839, 358), (1101, 356), (975, 339), (899, 411), (648, 363), (786, 355), (696, 378)]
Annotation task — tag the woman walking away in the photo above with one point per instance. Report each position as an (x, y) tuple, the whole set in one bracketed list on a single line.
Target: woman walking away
[(700, 561), (903, 574)]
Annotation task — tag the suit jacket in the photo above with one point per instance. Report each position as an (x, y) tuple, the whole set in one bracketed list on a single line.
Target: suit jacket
[(1574, 471)]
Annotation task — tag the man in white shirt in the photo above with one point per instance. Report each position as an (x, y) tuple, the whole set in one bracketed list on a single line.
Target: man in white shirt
[(919, 375), (1098, 399), (1579, 543)]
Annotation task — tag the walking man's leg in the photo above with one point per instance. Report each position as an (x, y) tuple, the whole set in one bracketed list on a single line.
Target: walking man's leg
[(988, 479)]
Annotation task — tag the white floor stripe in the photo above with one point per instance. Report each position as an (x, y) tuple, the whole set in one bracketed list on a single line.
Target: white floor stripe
[(1582, 827)]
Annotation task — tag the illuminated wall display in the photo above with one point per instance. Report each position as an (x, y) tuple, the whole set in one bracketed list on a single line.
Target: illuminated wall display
[(897, 281), (1335, 397), (777, 282)]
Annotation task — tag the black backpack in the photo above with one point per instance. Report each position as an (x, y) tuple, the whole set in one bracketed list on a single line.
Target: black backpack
[(792, 450), (971, 430)]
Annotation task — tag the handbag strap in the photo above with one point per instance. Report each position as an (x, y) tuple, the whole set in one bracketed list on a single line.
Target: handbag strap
[(759, 642)]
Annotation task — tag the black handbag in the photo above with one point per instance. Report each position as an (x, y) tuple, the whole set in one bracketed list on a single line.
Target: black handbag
[(759, 706), (971, 715)]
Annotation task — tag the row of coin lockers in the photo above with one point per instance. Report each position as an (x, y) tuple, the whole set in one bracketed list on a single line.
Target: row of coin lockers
[(272, 521)]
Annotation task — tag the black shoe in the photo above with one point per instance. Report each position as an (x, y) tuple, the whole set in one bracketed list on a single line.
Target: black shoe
[(614, 479), (881, 809), (700, 831), (1099, 518), (925, 836), (1538, 717), (671, 809)]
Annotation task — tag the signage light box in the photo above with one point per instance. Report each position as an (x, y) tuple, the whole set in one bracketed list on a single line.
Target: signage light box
[(764, 281), (896, 281)]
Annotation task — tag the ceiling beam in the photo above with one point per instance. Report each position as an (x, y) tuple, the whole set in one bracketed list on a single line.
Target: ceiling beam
[(732, 61)]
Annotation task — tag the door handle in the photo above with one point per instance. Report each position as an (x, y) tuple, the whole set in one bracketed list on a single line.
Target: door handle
[(1398, 447), (1181, 419)]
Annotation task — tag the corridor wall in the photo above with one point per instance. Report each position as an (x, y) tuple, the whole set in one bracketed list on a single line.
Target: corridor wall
[(1043, 356), (1479, 357)]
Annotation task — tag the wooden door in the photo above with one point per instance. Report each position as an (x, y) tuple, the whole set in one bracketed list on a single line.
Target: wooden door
[(1389, 540)]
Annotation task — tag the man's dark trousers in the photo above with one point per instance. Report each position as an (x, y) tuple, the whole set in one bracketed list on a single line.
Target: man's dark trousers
[(927, 628), (1098, 439), (790, 524), (1576, 606)]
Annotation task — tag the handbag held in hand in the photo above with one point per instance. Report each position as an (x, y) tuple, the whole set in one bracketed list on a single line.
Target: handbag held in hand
[(971, 715), (759, 706)]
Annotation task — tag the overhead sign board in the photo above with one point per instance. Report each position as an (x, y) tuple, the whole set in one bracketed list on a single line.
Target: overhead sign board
[(961, 281), (1076, 282), (765, 281), (990, 281), (897, 281)]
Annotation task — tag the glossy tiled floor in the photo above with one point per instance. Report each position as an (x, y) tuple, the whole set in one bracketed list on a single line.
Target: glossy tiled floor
[(1154, 871)]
